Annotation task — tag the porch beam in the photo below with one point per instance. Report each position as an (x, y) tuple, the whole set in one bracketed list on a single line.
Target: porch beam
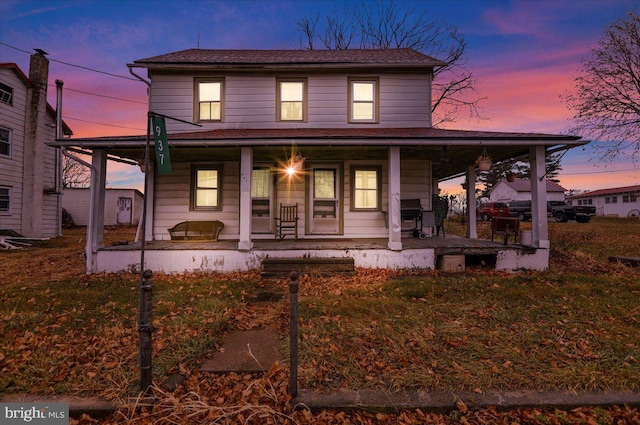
[(539, 220), (246, 172), (395, 225), (95, 225), (472, 225)]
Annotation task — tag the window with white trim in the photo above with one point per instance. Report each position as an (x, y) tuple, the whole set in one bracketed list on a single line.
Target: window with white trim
[(5, 141), (5, 199), (363, 100), (206, 187), (209, 99), (291, 100), (6, 94), (366, 188)]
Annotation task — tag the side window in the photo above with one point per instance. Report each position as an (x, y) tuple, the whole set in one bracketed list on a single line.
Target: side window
[(5, 141), (291, 100), (363, 100), (6, 94), (209, 99), (5, 199), (366, 188), (206, 187)]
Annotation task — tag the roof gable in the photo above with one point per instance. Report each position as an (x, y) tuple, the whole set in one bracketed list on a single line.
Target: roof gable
[(524, 185)]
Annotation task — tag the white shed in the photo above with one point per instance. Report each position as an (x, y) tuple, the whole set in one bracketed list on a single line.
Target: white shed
[(520, 190), (121, 206)]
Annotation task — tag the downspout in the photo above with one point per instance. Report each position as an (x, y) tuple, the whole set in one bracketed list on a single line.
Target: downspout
[(141, 230), (58, 159)]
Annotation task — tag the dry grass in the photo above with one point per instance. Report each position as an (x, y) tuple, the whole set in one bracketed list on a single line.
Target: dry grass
[(574, 327)]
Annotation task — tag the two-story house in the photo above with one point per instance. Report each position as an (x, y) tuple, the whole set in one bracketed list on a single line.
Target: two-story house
[(30, 169), (346, 135)]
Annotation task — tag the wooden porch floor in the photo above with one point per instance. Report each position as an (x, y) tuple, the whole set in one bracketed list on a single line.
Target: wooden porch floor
[(441, 245)]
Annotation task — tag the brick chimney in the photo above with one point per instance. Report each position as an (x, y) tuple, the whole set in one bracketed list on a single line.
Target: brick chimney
[(33, 197)]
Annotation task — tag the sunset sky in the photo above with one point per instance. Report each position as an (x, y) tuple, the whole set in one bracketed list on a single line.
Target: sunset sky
[(524, 54)]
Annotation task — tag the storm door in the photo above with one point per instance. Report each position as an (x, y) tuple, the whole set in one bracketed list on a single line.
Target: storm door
[(261, 200), (324, 200)]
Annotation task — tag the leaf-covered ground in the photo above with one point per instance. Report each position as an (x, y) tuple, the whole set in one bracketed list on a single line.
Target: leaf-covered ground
[(575, 327)]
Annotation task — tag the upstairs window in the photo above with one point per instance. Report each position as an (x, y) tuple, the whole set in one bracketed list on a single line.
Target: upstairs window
[(206, 187), (291, 100), (366, 188), (363, 100), (6, 94), (209, 99), (5, 142)]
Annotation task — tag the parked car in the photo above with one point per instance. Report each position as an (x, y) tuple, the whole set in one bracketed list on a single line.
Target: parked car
[(492, 209), (520, 209), (563, 212)]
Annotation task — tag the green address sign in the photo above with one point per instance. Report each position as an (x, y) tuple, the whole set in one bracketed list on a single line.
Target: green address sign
[(163, 157)]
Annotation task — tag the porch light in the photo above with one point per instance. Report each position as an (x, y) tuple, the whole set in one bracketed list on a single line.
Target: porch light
[(295, 163)]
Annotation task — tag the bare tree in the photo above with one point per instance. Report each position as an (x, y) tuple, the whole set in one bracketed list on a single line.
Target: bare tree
[(606, 102), (74, 174), (384, 24)]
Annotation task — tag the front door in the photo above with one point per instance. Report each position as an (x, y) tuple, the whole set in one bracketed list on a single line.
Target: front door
[(324, 200), (124, 210)]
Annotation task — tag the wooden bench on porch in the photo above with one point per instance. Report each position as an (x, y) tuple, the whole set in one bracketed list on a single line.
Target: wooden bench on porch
[(198, 230), (506, 226)]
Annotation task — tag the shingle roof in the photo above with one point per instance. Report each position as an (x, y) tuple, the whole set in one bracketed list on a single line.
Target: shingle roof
[(350, 57), (611, 191)]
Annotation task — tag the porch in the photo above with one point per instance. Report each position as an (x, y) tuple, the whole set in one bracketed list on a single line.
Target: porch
[(223, 256)]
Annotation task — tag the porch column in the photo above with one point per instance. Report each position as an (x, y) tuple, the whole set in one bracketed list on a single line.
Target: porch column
[(395, 225), (472, 225), (539, 221), (95, 225), (246, 171)]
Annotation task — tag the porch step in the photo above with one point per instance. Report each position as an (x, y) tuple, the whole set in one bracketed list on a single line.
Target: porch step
[(282, 267)]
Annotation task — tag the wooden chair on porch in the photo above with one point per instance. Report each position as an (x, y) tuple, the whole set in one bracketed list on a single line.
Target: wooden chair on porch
[(287, 221)]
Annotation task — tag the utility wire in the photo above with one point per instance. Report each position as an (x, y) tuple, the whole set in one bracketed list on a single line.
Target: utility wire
[(101, 95), (74, 65), (599, 172), (100, 123)]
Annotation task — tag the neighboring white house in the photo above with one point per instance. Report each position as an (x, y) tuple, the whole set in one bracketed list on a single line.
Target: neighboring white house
[(30, 179), (121, 206), (616, 202), (520, 190), (353, 127)]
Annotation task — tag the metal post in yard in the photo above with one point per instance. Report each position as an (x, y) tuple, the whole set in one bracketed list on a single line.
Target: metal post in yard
[(293, 334), (145, 328)]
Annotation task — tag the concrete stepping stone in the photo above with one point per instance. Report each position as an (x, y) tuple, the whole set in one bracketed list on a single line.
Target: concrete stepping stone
[(251, 351)]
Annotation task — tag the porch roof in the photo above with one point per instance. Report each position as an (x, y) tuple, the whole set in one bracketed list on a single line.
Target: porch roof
[(450, 151)]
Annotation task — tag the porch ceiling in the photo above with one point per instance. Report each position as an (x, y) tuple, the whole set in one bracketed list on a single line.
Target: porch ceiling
[(446, 160), (451, 151)]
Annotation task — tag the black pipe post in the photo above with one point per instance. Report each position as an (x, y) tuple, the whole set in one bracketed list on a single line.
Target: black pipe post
[(293, 334), (145, 328)]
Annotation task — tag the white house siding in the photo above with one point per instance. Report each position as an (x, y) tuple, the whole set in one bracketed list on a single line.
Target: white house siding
[(51, 203), (172, 201), (250, 101), (12, 117), (360, 224)]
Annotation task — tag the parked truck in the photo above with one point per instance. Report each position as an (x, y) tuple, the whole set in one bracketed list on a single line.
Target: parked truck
[(563, 212), (559, 210)]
